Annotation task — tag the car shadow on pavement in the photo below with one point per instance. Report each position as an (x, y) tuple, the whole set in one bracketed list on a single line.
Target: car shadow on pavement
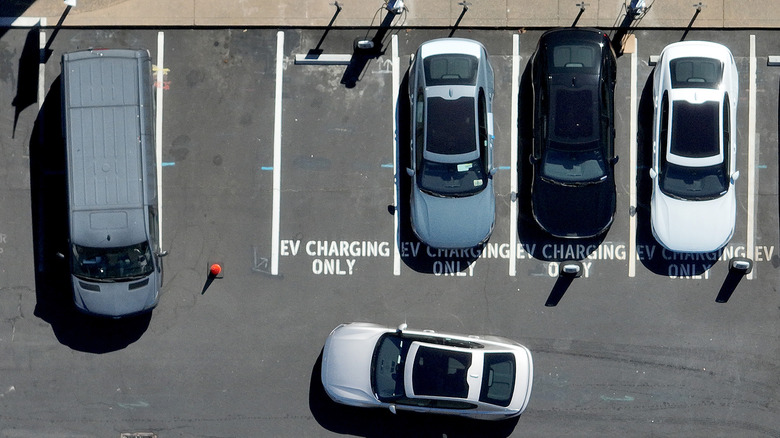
[(54, 294), (381, 423)]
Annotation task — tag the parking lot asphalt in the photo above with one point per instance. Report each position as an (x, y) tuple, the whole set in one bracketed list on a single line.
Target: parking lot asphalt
[(304, 202)]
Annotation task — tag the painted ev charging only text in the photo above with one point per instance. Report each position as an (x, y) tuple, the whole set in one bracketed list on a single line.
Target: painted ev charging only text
[(342, 257)]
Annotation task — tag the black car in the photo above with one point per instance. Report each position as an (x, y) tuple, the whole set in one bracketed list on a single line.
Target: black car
[(573, 77)]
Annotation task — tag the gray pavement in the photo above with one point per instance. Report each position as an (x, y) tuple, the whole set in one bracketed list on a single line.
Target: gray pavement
[(419, 13)]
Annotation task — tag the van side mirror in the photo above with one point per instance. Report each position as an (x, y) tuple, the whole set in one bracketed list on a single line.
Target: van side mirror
[(532, 159), (409, 171), (493, 171), (60, 255), (653, 173), (401, 328), (614, 160), (162, 253), (734, 177), (392, 409)]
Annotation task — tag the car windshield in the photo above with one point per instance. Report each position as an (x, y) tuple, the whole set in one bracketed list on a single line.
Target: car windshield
[(452, 179), (498, 379), (451, 126), (112, 264), (569, 164), (695, 129), (387, 375), (696, 72), (694, 183), (441, 373), (450, 69)]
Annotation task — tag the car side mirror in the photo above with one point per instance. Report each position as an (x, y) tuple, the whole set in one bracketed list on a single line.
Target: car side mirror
[(401, 328), (162, 253), (653, 174), (60, 255), (392, 409), (734, 177), (409, 171), (493, 171), (614, 160)]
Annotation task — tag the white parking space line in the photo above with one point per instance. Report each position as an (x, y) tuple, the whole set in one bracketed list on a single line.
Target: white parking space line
[(158, 131), (513, 138), (41, 70), (632, 158), (751, 164), (396, 151), (277, 178)]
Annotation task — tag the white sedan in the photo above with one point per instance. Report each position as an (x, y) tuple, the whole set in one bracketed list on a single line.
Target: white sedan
[(695, 93), (480, 377)]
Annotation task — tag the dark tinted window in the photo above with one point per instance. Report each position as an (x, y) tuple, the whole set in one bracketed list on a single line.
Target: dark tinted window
[(575, 57), (387, 369), (574, 166), (695, 132), (452, 179), (498, 380), (440, 373), (450, 69), (113, 264), (694, 183), (695, 72), (451, 126)]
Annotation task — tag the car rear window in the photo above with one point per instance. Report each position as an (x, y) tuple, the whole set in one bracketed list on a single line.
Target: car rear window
[(575, 57), (498, 379), (695, 72), (451, 126), (450, 69), (695, 129)]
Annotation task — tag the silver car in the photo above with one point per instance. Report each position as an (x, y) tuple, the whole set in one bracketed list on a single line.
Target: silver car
[(451, 95), (695, 91), (480, 377)]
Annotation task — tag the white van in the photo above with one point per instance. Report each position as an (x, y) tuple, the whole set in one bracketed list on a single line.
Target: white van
[(108, 125)]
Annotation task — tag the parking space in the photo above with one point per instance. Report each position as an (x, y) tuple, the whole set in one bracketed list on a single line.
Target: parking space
[(303, 199)]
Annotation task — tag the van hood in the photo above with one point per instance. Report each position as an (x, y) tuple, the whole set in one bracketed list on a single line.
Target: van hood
[(108, 228), (116, 299)]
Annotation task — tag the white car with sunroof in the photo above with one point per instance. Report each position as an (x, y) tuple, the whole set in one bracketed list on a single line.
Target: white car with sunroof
[(479, 377), (695, 93)]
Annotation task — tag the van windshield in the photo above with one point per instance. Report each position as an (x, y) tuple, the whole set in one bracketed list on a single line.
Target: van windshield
[(112, 264)]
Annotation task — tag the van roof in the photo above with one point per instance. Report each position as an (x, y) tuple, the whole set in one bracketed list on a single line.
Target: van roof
[(101, 99)]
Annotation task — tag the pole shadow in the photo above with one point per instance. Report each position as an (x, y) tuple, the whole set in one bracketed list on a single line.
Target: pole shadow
[(49, 204), (316, 51), (690, 24), (362, 56), (27, 79), (729, 286), (460, 17), (559, 289)]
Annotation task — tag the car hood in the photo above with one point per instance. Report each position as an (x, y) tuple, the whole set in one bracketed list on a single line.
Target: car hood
[(346, 363), (115, 299), (463, 222), (693, 226), (573, 211)]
